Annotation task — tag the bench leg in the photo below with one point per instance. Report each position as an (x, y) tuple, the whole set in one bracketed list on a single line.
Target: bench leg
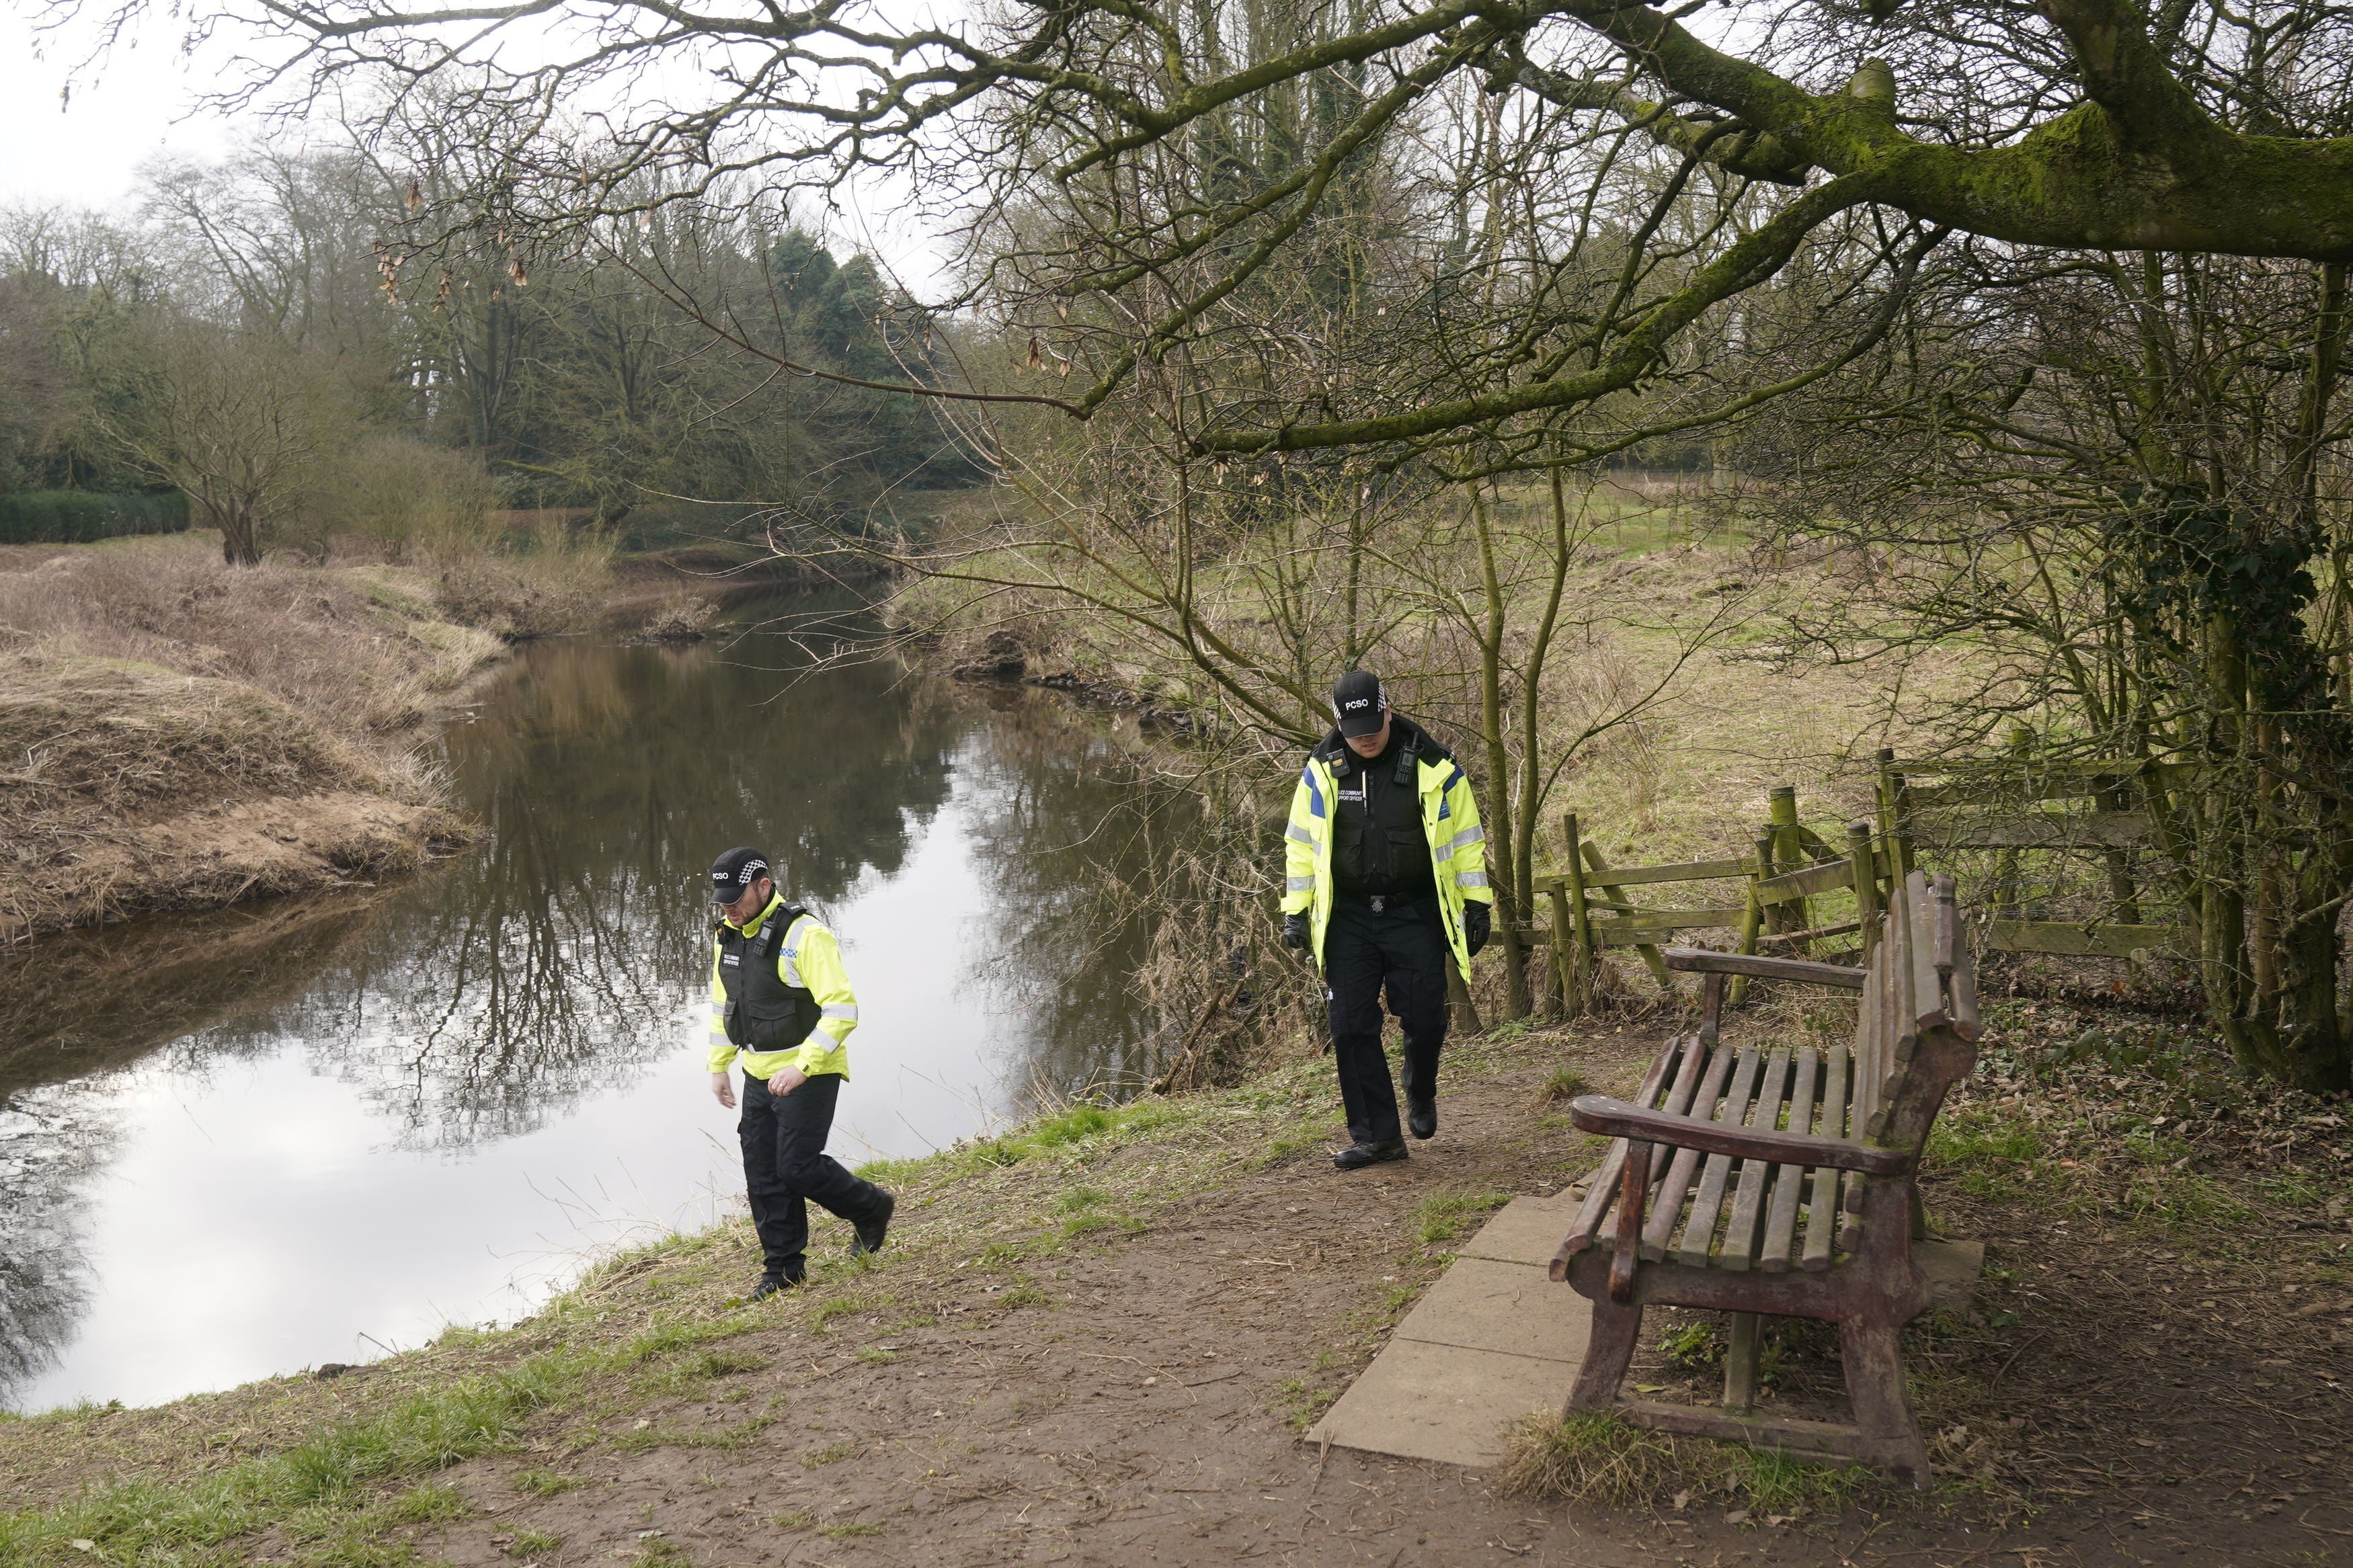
[(1609, 1352), (1883, 1410), (1740, 1363)]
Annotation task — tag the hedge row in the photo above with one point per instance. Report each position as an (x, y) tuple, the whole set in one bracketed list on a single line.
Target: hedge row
[(78, 517)]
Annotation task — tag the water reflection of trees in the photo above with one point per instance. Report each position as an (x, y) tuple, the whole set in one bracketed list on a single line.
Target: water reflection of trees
[(1075, 838), (82, 1004), (559, 956)]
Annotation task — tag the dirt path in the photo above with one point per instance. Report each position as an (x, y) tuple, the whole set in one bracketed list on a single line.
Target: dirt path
[(1132, 1400)]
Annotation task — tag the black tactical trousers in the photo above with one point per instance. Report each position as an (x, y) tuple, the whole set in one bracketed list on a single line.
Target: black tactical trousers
[(1403, 949), (785, 1168)]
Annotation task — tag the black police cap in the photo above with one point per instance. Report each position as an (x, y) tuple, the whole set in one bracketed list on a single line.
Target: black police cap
[(734, 873), (1359, 704)]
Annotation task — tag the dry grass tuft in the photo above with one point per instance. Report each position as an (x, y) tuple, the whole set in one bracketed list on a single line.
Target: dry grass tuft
[(178, 733), (1595, 1458), (1589, 1456), (119, 735), (1561, 1084)]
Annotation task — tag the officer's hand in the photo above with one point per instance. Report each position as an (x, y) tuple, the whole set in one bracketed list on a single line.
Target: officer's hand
[(787, 1079), (1294, 932), (1478, 924), (722, 1089)]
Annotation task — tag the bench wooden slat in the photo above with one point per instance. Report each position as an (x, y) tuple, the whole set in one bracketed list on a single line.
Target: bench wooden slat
[(1927, 992), (1699, 1231), (1603, 1183), (1669, 1204), (1822, 1212), (1739, 1251), (1781, 1219)]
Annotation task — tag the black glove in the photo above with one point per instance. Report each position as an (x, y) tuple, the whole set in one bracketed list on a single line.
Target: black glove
[(1478, 924), (1294, 932)]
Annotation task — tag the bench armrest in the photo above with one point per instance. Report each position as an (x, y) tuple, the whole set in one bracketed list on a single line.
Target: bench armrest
[(1617, 1119), (1701, 960)]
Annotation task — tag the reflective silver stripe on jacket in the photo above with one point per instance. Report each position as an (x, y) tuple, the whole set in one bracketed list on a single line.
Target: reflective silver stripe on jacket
[(1297, 834), (1298, 884), (1464, 839), (838, 1012), (1470, 878)]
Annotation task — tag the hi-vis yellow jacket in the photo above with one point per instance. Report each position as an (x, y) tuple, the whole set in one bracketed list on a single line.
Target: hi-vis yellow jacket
[(1449, 817), (804, 999)]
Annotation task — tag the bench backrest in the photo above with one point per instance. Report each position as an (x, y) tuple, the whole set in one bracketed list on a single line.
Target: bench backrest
[(1917, 1032)]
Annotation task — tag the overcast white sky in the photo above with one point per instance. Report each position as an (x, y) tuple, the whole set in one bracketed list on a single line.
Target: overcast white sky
[(143, 101), (139, 105)]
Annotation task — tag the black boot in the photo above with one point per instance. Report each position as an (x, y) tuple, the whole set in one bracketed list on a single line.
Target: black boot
[(1421, 1117), (773, 1281), (1356, 1156), (871, 1232)]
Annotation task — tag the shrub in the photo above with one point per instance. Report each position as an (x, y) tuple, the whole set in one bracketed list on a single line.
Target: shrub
[(83, 517)]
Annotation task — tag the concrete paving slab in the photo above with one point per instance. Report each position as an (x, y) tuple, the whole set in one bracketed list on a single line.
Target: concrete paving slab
[(1481, 1304), (1422, 1401), (1526, 1230)]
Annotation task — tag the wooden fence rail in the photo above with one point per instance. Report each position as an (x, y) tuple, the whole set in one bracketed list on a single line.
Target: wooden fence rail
[(1593, 906)]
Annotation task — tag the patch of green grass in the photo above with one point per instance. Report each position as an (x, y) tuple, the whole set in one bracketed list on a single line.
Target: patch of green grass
[(318, 1491), (849, 1304), (1079, 1200), (870, 1356), (1088, 1223), (740, 1435), (1694, 1347), (794, 1519), (1444, 1216), (849, 1531), (1299, 1402), (1025, 1294), (529, 1541), (833, 1453), (1067, 1128), (1773, 1482), (544, 1483), (721, 1363), (430, 1503), (1994, 1156)]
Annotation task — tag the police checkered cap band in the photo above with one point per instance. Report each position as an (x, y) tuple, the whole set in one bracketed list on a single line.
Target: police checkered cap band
[(733, 872)]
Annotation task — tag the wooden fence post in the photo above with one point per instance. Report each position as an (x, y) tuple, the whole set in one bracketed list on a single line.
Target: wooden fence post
[(1894, 817), (1788, 849), (1582, 913), (1862, 863), (2005, 861), (1560, 984), (1753, 923)]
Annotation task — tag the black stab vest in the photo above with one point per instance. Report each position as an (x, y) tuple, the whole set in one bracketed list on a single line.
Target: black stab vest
[(763, 1013)]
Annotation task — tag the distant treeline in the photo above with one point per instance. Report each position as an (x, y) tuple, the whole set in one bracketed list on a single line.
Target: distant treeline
[(78, 517)]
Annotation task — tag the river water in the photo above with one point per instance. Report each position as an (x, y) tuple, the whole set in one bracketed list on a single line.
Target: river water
[(314, 1129)]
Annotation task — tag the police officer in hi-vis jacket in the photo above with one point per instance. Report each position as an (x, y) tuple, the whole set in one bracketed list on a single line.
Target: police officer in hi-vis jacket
[(1386, 881), (781, 1001)]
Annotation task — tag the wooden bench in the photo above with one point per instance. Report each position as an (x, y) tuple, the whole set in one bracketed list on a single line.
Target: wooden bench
[(1781, 1182)]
